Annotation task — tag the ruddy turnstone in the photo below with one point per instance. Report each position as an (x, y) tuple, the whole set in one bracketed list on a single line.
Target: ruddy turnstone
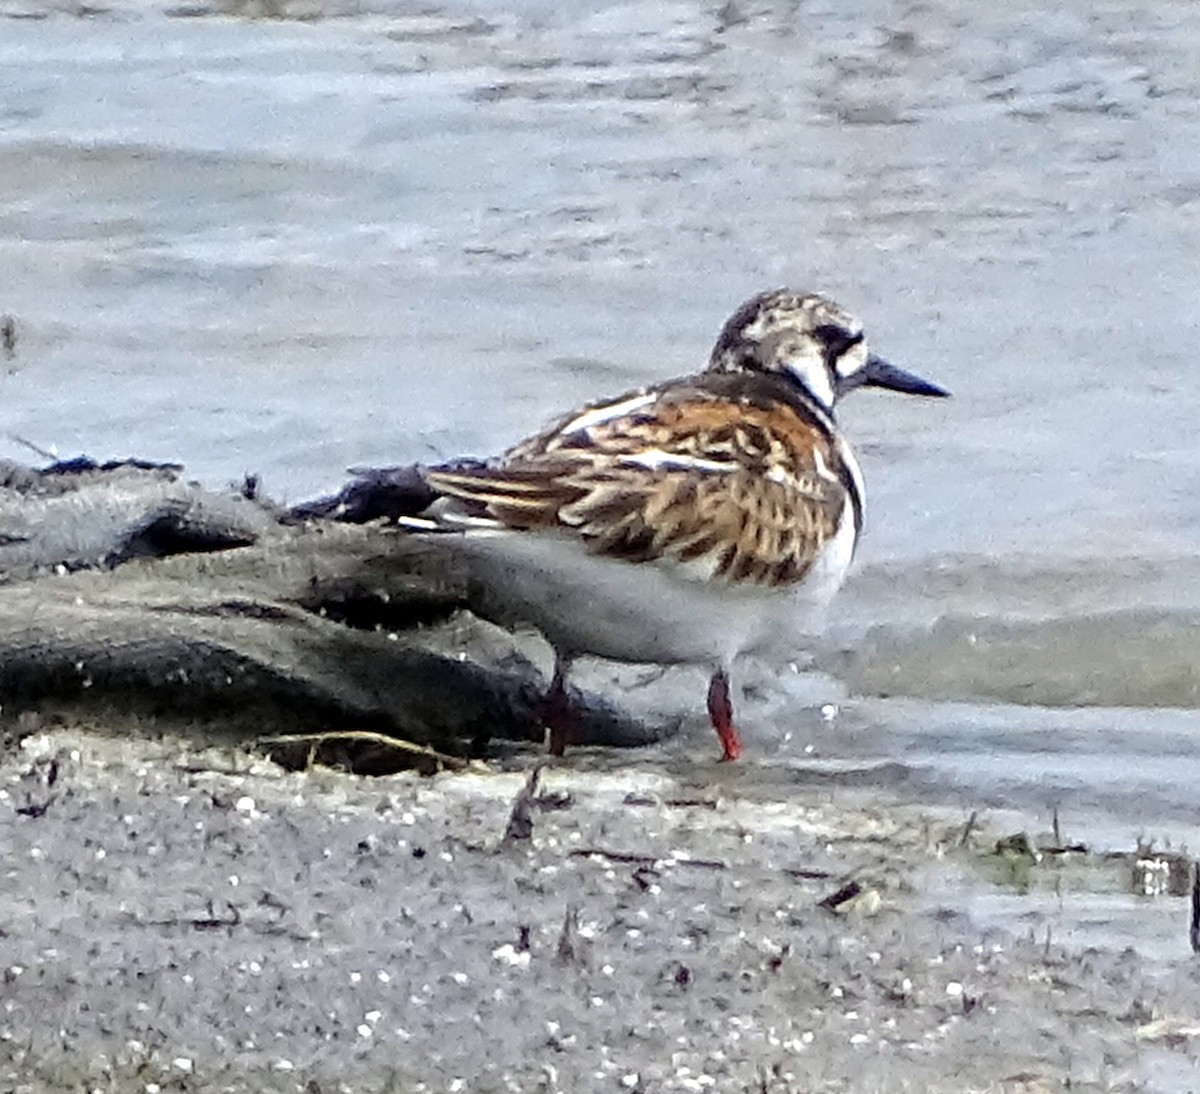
[(689, 522)]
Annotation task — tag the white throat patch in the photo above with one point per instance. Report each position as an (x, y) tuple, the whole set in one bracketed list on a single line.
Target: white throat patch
[(815, 377)]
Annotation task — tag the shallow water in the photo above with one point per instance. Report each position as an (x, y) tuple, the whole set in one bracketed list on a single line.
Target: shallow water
[(292, 237)]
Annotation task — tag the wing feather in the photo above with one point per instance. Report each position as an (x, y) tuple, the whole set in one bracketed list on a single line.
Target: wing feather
[(749, 491)]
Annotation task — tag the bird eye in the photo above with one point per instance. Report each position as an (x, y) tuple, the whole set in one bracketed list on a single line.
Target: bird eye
[(836, 340)]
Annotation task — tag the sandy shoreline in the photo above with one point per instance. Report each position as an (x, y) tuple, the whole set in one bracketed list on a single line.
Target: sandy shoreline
[(183, 919)]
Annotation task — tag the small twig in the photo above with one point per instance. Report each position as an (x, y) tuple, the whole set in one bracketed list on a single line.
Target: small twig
[(438, 761), (568, 950), (45, 453), (624, 857), (8, 337), (807, 874), (213, 922), (628, 858), (520, 820), (697, 863), (1067, 849), (968, 828), (1194, 930), (671, 803), (645, 878), (836, 899)]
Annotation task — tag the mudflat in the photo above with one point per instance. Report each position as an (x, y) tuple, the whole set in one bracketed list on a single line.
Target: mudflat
[(186, 918)]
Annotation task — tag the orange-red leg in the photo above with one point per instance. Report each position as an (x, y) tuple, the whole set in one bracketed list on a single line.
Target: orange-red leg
[(720, 710)]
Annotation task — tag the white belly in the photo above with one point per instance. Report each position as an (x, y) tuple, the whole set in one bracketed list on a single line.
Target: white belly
[(625, 611)]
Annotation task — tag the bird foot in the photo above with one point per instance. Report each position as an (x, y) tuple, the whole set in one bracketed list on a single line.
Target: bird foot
[(720, 711)]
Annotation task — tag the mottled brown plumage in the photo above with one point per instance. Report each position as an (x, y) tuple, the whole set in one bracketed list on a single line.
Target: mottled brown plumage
[(746, 487), (692, 521)]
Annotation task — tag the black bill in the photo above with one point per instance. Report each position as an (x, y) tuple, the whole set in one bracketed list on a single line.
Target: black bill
[(880, 373)]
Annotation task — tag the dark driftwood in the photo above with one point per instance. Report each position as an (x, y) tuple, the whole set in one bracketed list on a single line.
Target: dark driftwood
[(127, 589)]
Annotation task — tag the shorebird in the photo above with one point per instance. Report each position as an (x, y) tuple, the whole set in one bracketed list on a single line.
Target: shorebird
[(689, 522)]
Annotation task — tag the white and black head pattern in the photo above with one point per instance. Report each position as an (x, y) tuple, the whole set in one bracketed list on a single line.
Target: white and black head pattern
[(812, 341)]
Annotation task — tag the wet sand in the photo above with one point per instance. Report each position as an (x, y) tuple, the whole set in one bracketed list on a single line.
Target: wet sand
[(183, 919)]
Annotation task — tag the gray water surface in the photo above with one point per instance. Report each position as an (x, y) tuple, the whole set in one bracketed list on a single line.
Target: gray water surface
[(297, 236)]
